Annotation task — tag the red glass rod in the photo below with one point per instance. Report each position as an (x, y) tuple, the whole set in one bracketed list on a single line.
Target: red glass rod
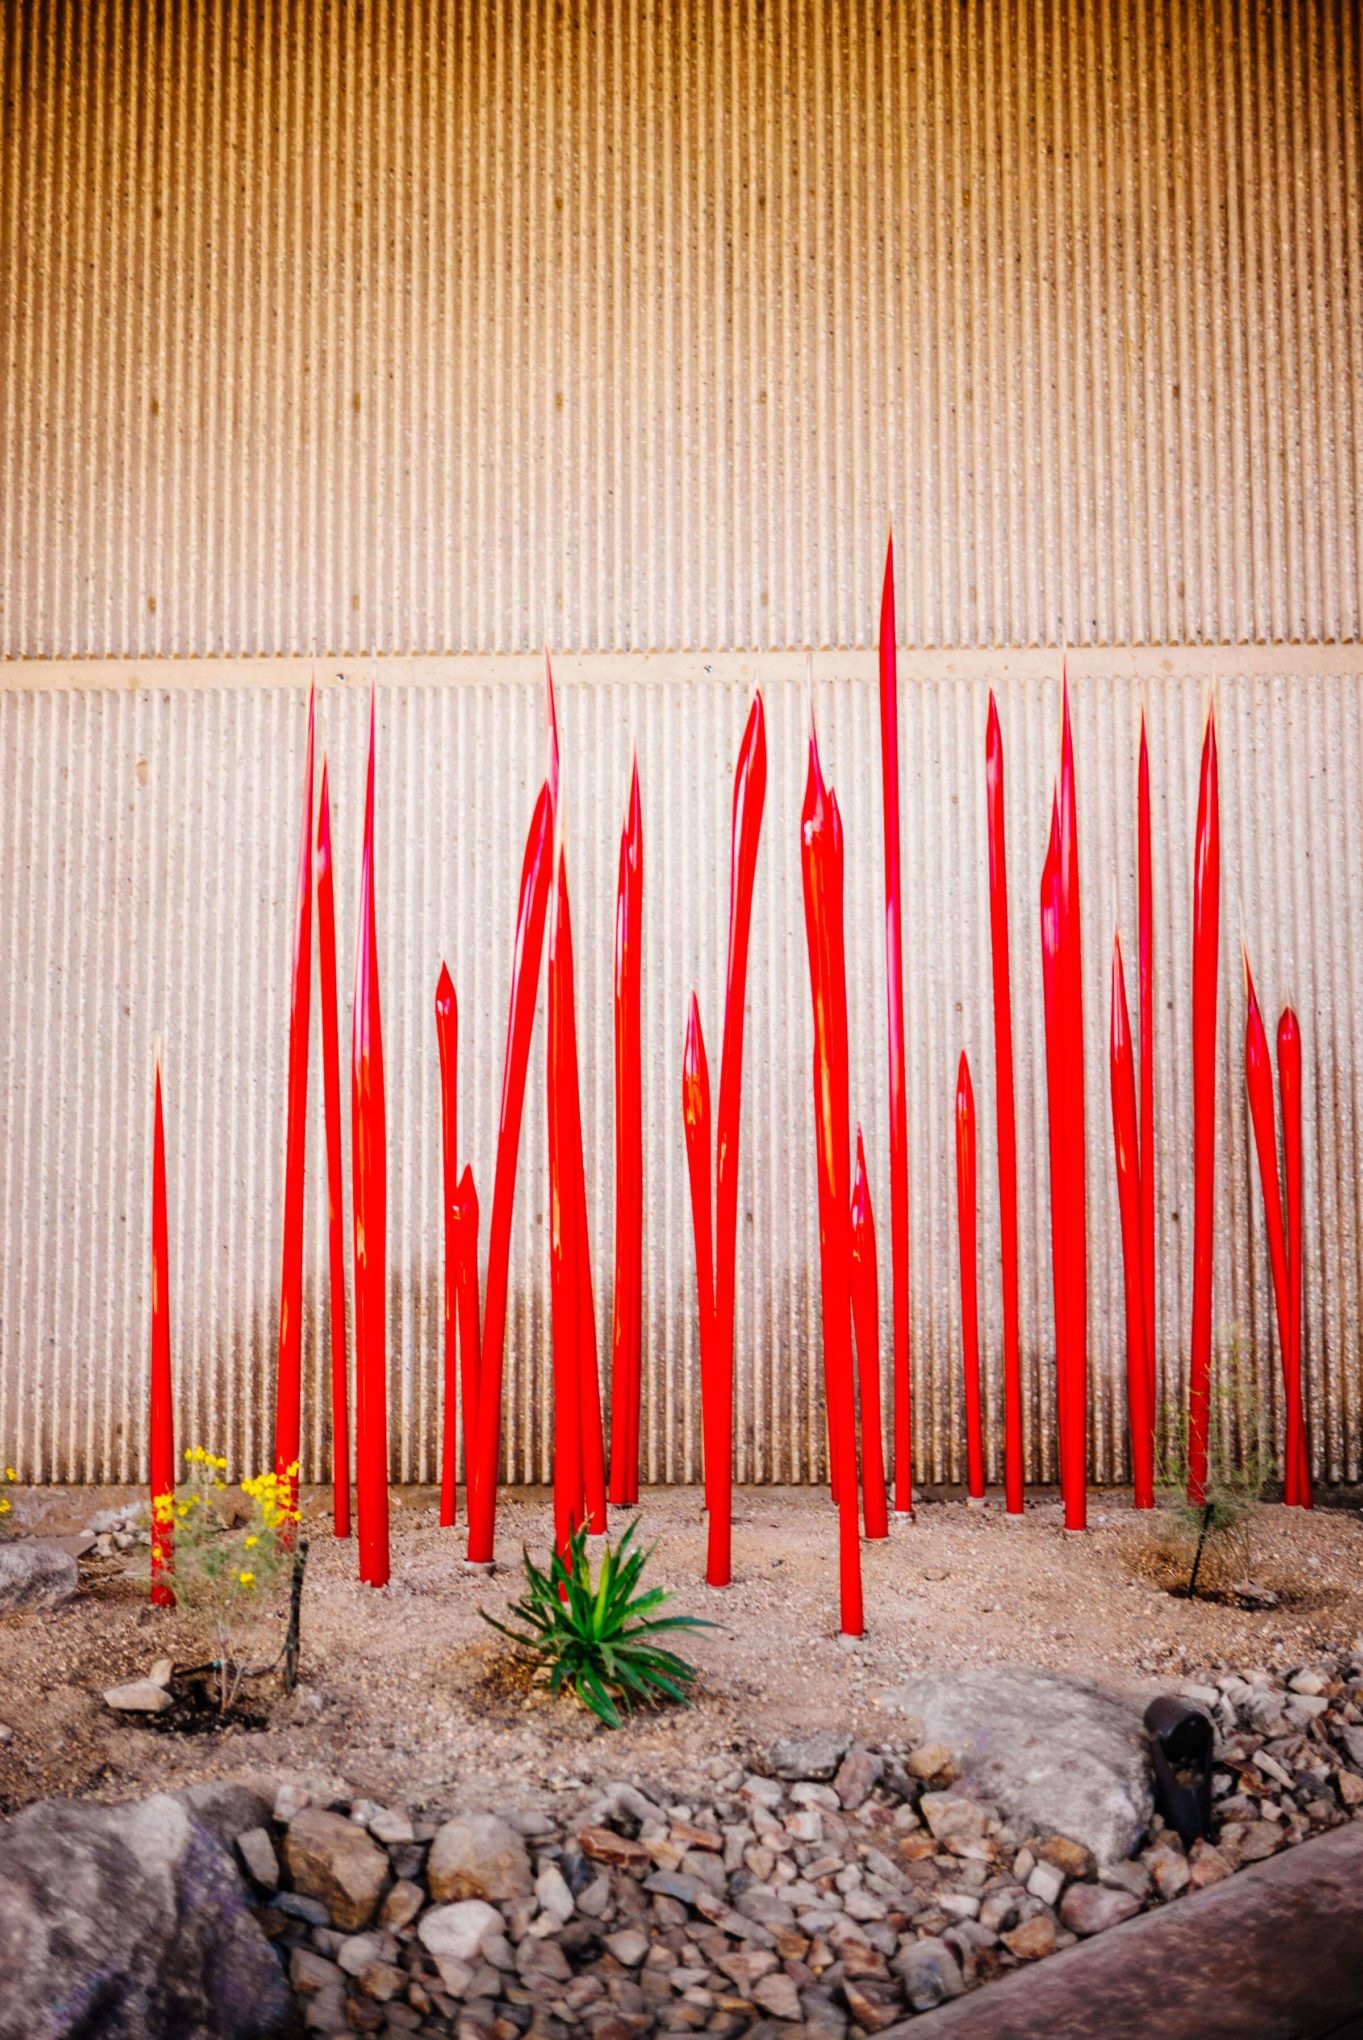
[(1289, 1085), (1123, 1077), (564, 1268), (1070, 1014), (1050, 951), (289, 1379), (866, 1320), (629, 1159), (331, 1096), (447, 1040), (466, 1259), (1263, 1118), (369, 1180), (716, 1411), (894, 1000), (1007, 1129), (1145, 913), (1206, 930), (160, 1402), (965, 1232)]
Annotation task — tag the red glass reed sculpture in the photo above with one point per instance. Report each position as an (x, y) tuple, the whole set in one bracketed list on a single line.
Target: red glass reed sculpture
[(1146, 934), (894, 999), (289, 1380), (331, 1096), (1007, 1122), (822, 870), (1206, 931), (716, 1412), (1070, 1014), (866, 1320), (481, 1473), (970, 1325), (564, 1266), (160, 1402), (369, 1186), (1055, 1079), (1259, 1085), (1140, 1414), (626, 1353), (1289, 1084), (447, 1040), (466, 1267)]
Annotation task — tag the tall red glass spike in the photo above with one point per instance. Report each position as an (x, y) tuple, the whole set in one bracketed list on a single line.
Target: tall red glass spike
[(716, 1410), (1007, 1123), (369, 1181), (331, 1096), (629, 1159), (289, 1383), (821, 861), (466, 1259), (1263, 1118), (481, 1474), (447, 1040), (564, 1269), (161, 1403), (1055, 1079), (866, 1320), (1123, 1075), (894, 999), (1070, 1007), (1206, 933), (1145, 913), (1289, 1085), (750, 792), (970, 1322)]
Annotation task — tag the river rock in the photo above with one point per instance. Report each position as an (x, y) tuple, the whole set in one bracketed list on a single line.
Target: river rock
[(816, 1755), (929, 1973), (34, 1573), (456, 1933), (129, 1921), (332, 1859), (478, 1855), (1061, 1753), (139, 1696)]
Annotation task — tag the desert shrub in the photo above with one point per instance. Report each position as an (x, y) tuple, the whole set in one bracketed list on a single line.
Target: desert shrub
[(599, 1639), (232, 1561), (1240, 1463)]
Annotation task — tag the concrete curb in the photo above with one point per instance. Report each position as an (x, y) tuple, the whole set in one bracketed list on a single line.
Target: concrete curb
[(1273, 1953)]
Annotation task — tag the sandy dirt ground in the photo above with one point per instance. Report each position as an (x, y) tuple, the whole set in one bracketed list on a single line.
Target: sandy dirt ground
[(406, 1694)]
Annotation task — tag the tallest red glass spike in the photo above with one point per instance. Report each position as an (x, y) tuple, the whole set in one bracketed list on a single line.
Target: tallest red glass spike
[(894, 997), (1070, 1016), (331, 1097), (369, 1189), (289, 1379), (629, 1157), (1145, 911), (447, 1044), (1005, 1113), (161, 1405)]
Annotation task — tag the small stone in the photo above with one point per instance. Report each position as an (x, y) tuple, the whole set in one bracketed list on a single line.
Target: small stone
[(34, 1574), (401, 1906), (777, 1994), (1260, 1840), (816, 1755), (929, 1973), (1092, 1908), (382, 1981), (1046, 1883), (629, 1947), (872, 2014), (458, 1932), (603, 1845), (933, 1763), (1033, 1939), (1071, 1857), (1128, 1875), (356, 1951), (551, 1889), (1168, 1869), (310, 1973), (162, 1672), (1349, 1786), (857, 1776), (139, 1696), (258, 1856), (1308, 1682), (331, 1859), (388, 1826), (1206, 1865), (290, 1800), (478, 1855), (79, 1545), (952, 1817)]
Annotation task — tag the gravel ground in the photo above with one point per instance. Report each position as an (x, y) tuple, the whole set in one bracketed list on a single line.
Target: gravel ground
[(407, 1695)]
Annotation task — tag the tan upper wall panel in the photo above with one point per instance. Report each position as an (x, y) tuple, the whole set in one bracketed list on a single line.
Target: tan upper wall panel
[(423, 329)]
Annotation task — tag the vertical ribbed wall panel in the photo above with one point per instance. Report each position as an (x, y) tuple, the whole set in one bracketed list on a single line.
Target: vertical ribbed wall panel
[(422, 328), (148, 849)]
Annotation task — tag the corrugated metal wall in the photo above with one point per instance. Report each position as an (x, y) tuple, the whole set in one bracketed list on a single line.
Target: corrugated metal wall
[(416, 329), (329, 330)]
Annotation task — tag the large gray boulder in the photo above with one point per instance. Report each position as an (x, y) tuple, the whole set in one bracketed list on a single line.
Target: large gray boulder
[(129, 1922), (34, 1574), (1065, 1755)]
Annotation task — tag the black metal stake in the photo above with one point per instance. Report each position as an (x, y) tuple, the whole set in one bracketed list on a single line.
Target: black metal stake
[(291, 1642), (1197, 1559)]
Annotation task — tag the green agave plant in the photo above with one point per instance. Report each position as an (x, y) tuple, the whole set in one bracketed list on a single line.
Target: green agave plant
[(600, 1639)]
